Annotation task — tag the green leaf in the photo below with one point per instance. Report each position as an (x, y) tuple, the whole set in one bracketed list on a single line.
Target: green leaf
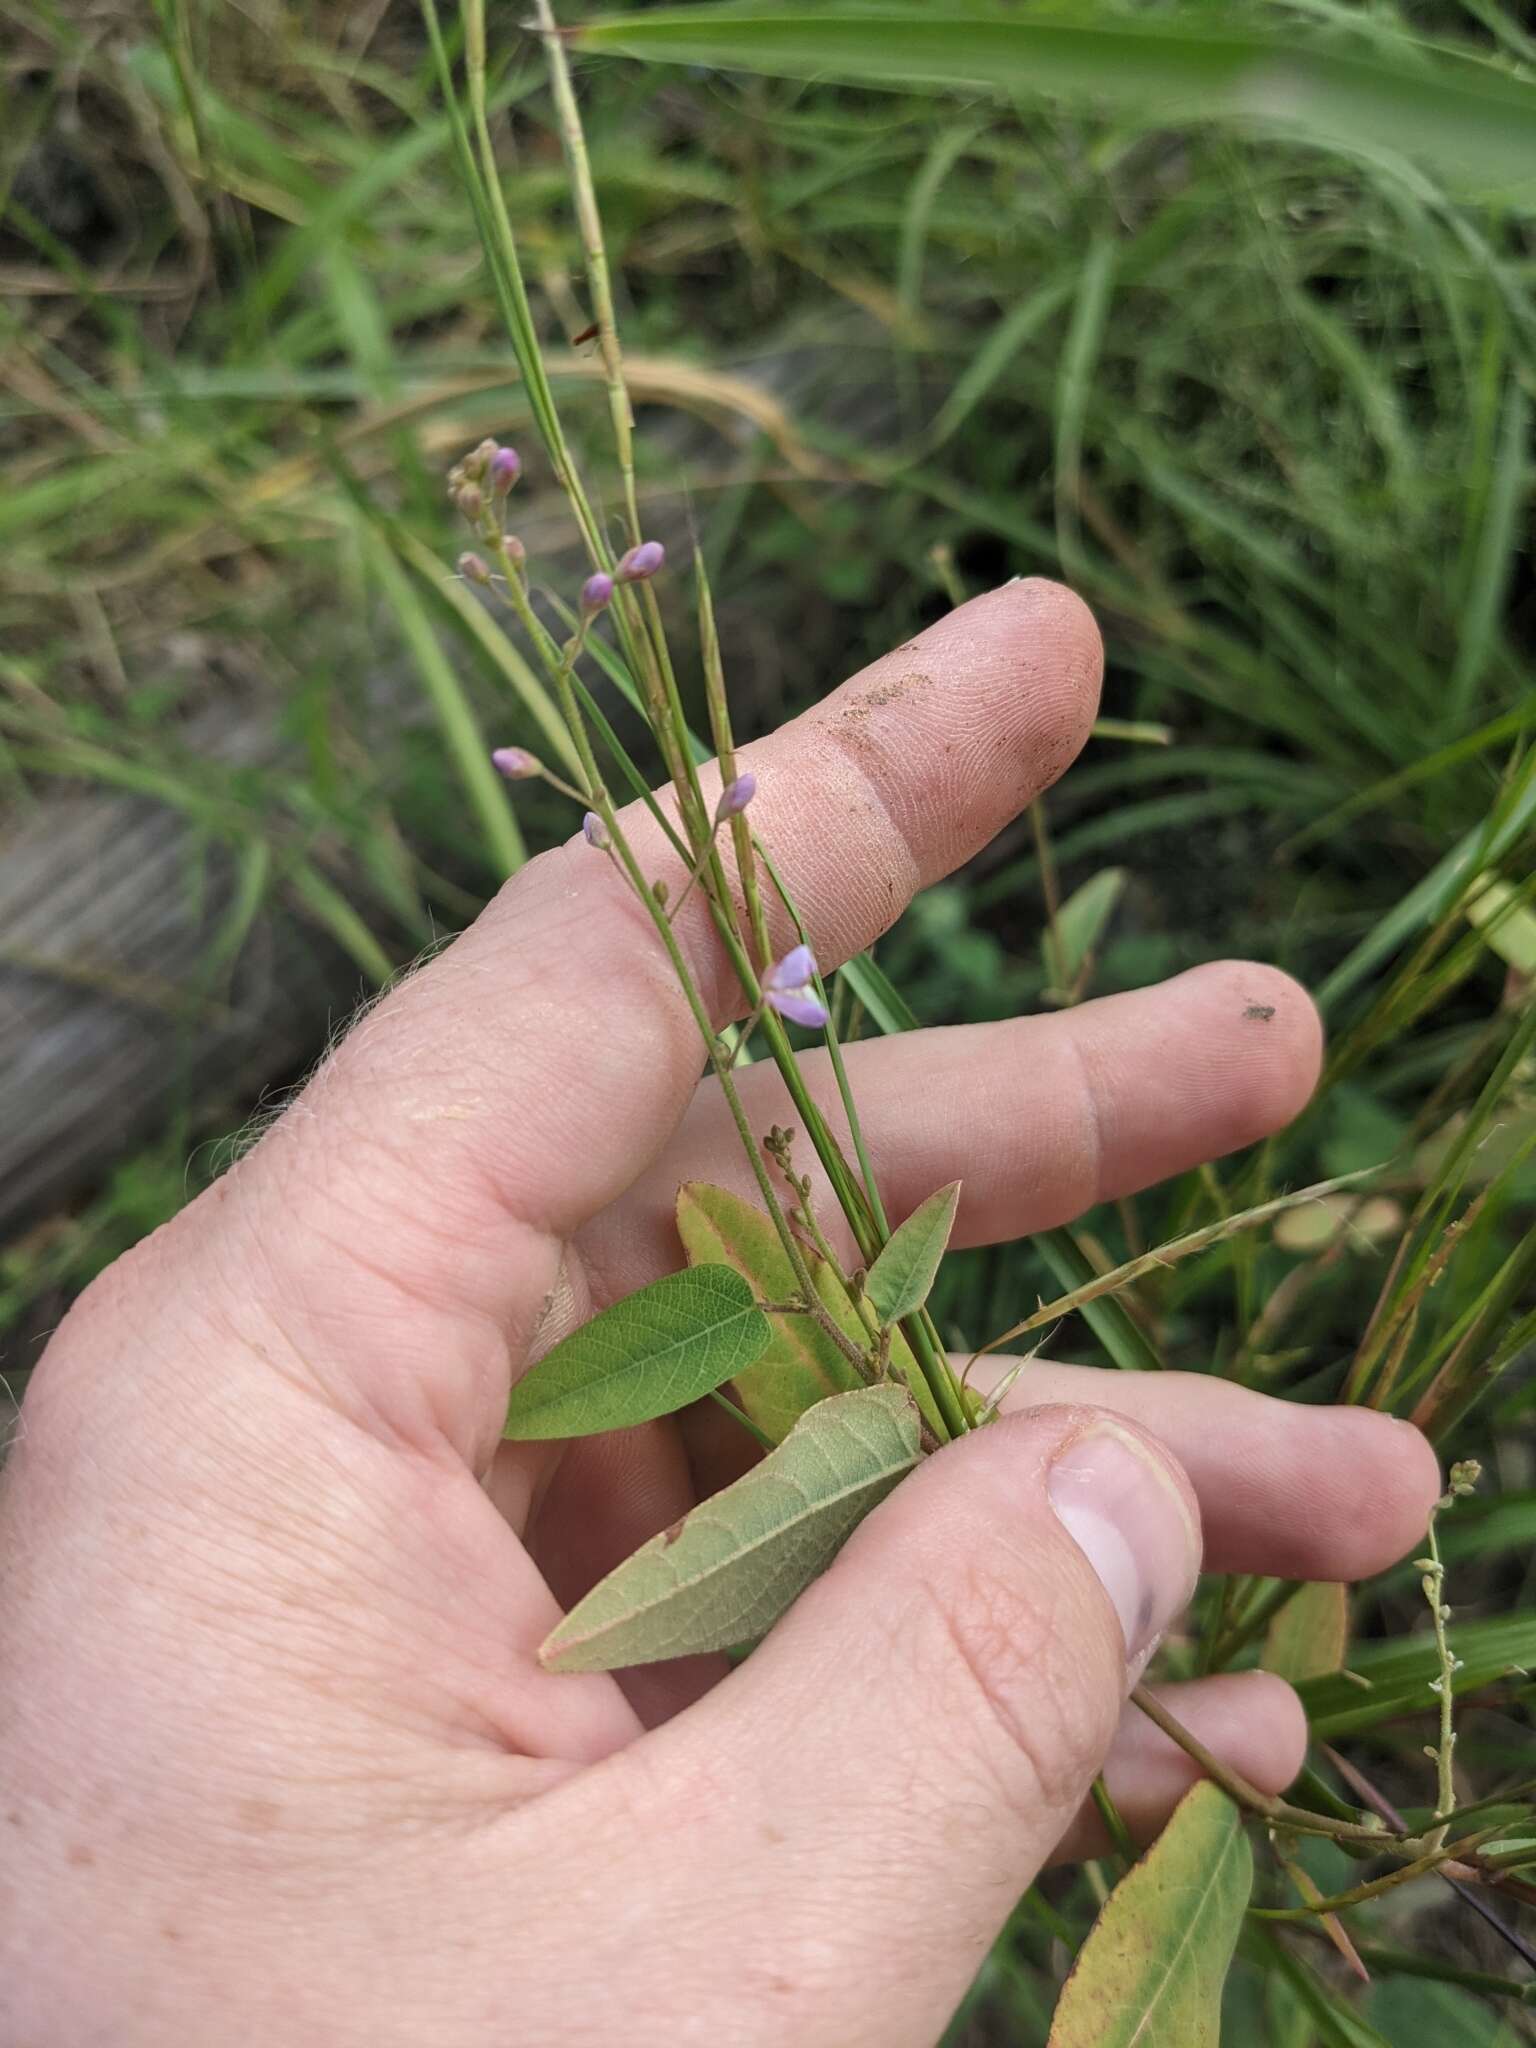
[(1152, 1968), (726, 1572), (1397, 1675), (1474, 122), (1309, 1635), (1080, 923), (800, 1365), (901, 1276), (1338, 2025), (655, 1351), (1411, 2013)]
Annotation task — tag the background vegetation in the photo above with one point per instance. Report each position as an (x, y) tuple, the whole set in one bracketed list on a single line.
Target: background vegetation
[(1266, 403)]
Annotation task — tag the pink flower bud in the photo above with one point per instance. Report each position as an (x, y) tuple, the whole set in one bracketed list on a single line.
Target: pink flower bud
[(505, 468), (473, 570), (787, 988), (469, 500), (735, 796), (513, 548), (641, 561), (595, 832), (596, 592), (516, 763)]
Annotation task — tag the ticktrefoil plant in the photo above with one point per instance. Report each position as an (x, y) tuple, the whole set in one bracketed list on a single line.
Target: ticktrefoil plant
[(805, 1314)]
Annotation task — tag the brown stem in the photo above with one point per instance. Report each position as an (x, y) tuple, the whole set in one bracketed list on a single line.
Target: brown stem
[(1238, 1788)]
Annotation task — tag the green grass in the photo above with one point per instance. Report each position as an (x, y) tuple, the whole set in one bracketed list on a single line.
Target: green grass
[(1266, 402)]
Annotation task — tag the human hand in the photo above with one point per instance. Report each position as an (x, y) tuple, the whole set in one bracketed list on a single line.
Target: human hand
[(277, 1761)]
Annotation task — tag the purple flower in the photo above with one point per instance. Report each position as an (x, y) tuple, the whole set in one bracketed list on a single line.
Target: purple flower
[(641, 561), (596, 592), (516, 763), (473, 570), (596, 832), (735, 796), (505, 469), (787, 989)]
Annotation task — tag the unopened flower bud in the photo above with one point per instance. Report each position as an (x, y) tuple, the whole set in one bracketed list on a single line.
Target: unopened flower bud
[(516, 763), (641, 561), (473, 570), (595, 832), (596, 592), (735, 796), (506, 466), (469, 500), (513, 549)]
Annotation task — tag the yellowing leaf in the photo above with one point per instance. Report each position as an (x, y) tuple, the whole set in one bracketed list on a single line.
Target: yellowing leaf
[(800, 1365), (1308, 1637), (726, 1572), (671, 1343), (1151, 1971), (1507, 924)]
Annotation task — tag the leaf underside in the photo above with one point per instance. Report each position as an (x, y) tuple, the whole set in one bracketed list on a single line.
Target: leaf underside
[(648, 1355), (726, 1572), (1152, 1969)]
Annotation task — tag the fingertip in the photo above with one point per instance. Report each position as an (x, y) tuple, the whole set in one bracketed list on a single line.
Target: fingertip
[(1269, 1036), (1401, 1482), (1274, 1747), (1056, 643), (1252, 1720)]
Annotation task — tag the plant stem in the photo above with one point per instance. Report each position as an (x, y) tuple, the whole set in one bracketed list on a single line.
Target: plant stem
[(1114, 1825), (1265, 1804), (595, 254), (1421, 1865)]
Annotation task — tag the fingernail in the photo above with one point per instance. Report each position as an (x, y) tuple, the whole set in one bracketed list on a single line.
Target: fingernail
[(1124, 1510)]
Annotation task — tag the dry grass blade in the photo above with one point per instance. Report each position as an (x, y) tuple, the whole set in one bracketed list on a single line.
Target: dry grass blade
[(1169, 1254)]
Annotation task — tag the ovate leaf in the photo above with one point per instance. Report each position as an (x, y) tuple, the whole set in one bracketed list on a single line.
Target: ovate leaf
[(1152, 1968), (901, 1276), (651, 1353), (800, 1364), (726, 1572), (1309, 1635)]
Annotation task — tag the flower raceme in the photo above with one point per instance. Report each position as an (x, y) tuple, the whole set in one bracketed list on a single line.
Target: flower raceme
[(788, 988)]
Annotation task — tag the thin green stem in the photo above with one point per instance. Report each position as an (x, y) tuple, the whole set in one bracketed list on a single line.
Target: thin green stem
[(1114, 1826), (595, 255), (1357, 1895)]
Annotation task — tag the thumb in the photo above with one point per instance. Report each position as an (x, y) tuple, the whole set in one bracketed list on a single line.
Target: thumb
[(866, 1797)]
